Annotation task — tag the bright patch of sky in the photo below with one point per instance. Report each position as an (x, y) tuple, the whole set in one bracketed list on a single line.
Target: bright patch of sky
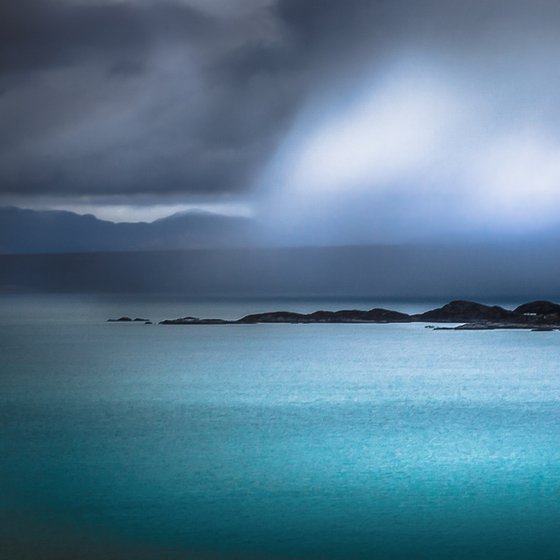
[(411, 153)]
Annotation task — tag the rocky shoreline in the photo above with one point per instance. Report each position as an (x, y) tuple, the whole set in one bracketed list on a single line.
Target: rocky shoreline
[(536, 316)]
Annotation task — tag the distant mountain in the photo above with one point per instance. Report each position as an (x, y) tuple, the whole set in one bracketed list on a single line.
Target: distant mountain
[(53, 231)]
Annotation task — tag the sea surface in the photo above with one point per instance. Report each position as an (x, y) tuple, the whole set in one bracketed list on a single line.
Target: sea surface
[(133, 441)]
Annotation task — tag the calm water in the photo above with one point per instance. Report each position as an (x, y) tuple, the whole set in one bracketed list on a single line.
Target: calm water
[(272, 441)]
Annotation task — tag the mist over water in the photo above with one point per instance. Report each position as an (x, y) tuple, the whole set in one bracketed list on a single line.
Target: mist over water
[(486, 273), (272, 441)]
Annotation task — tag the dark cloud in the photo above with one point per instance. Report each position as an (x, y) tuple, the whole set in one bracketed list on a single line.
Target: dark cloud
[(39, 34), (112, 98)]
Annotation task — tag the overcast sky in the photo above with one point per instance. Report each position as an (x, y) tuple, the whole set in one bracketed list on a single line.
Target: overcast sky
[(329, 121)]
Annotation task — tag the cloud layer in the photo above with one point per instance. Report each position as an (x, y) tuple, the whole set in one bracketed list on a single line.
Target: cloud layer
[(115, 98), (342, 122)]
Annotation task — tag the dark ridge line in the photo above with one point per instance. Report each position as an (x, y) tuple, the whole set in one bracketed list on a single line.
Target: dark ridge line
[(535, 315)]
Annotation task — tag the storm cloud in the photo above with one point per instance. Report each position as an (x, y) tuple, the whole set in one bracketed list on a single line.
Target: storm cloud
[(134, 98), (336, 122)]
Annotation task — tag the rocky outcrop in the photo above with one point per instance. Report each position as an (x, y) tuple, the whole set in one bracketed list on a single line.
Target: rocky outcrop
[(344, 316), (378, 315), (538, 316), (459, 311), (273, 317), (126, 319), (539, 308), (194, 321)]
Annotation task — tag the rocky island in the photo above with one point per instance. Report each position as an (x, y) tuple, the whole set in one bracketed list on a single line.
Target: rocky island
[(536, 315), (126, 319)]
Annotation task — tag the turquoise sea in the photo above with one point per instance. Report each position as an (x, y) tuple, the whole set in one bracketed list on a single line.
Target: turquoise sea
[(302, 442)]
